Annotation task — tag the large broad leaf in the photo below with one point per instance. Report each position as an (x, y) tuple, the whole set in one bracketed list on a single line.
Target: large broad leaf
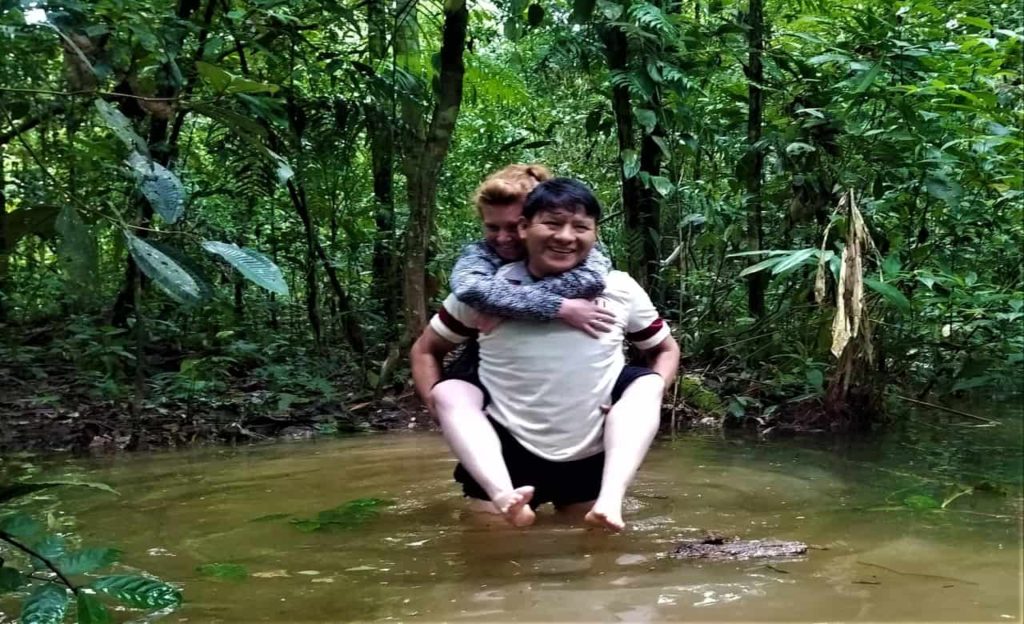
[(760, 266), (170, 276), (87, 560), (121, 126), (160, 186), (46, 605), (77, 249), (252, 264), (139, 591), (794, 260), (52, 547), (890, 293), (90, 610), (349, 515), (20, 525), (868, 78), (663, 185), (11, 580), (630, 163), (941, 187)]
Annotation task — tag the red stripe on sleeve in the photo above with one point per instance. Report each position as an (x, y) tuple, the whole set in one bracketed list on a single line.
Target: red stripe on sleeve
[(455, 324), (648, 332)]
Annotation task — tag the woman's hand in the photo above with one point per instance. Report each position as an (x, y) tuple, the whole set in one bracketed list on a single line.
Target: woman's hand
[(586, 316)]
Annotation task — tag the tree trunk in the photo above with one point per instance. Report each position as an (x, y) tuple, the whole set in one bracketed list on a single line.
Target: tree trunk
[(380, 127), (647, 222), (754, 70), (349, 323), (423, 162), (5, 251), (616, 49)]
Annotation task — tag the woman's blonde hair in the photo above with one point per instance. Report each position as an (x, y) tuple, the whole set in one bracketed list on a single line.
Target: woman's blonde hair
[(509, 185)]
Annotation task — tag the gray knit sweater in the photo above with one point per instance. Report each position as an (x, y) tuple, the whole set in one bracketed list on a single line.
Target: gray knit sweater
[(472, 281)]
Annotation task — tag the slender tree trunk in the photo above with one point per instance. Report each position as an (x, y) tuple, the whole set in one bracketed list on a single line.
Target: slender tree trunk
[(616, 49), (754, 70), (380, 127), (423, 164), (349, 323), (5, 246), (647, 222)]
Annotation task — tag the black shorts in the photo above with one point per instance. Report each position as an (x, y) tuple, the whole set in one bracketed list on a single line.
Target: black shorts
[(562, 483), (466, 367)]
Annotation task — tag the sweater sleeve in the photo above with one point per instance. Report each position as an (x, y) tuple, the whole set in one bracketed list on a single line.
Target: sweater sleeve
[(473, 283)]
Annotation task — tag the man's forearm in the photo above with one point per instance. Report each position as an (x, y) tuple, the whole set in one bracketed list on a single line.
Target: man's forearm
[(426, 372), (664, 360)]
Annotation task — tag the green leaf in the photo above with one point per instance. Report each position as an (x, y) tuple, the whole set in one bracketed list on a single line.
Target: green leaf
[(793, 260), (52, 547), (177, 282), (252, 264), (889, 292), (920, 502), (831, 57), (87, 560), (815, 378), (941, 187), (868, 78), (121, 126), (160, 186), (216, 77), (91, 610), (244, 85), (139, 591), (77, 249), (226, 571), (611, 10), (630, 163), (11, 580), (46, 605), (647, 118), (663, 185), (796, 147), (760, 266), (20, 525), (660, 142), (346, 516)]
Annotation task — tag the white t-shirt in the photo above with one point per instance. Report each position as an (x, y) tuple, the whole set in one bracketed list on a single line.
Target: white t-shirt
[(548, 380)]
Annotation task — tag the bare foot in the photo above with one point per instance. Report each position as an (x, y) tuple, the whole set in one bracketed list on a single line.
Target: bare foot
[(605, 517), (514, 506)]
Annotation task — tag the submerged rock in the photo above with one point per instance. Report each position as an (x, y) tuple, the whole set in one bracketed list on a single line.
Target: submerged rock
[(724, 549)]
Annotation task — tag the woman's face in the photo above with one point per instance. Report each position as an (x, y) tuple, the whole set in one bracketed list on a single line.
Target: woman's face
[(501, 229)]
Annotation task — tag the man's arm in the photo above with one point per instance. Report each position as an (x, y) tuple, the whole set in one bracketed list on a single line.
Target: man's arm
[(426, 359), (663, 358), (472, 281)]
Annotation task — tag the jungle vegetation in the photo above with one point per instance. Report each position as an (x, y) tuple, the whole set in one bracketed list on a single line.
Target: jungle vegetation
[(219, 214)]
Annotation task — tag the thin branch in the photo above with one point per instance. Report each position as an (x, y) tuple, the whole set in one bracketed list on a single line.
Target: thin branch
[(31, 122), (112, 94), (947, 409), (7, 537)]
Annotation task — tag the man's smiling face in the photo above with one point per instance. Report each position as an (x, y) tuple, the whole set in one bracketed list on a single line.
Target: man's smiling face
[(557, 240)]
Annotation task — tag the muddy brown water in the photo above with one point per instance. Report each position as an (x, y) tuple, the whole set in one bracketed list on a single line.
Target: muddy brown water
[(422, 559)]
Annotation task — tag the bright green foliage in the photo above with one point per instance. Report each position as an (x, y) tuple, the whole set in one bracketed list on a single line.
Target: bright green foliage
[(46, 605), (224, 571), (252, 264), (89, 610), (346, 516), (138, 591), (87, 560)]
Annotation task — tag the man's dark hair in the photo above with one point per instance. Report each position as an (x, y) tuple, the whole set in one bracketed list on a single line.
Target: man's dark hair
[(561, 194)]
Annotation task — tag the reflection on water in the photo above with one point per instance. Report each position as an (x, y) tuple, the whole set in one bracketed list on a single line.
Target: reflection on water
[(422, 559)]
